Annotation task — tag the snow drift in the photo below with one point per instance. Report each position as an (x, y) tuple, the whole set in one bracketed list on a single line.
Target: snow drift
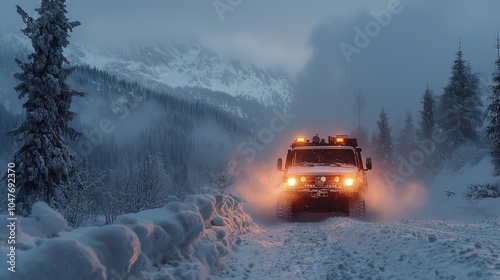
[(182, 240), (447, 199)]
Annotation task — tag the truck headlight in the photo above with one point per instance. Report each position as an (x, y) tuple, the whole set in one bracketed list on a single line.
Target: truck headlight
[(349, 182), (292, 181)]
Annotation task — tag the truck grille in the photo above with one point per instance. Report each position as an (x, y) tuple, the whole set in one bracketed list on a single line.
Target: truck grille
[(315, 182)]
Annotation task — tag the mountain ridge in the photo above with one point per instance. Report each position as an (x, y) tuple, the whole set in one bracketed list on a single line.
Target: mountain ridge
[(189, 66), (178, 65)]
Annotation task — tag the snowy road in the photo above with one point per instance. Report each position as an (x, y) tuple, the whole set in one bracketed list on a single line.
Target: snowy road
[(343, 248)]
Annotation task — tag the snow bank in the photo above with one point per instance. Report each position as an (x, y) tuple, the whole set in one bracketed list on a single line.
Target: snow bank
[(182, 240)]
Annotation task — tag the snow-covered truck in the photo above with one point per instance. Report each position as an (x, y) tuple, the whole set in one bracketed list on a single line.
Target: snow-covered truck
[(323, 176)]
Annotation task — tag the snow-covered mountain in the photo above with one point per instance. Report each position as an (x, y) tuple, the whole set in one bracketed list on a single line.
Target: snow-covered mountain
[(14, 42), (189, 65)]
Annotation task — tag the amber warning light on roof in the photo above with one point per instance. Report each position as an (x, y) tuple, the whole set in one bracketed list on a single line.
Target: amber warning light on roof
[(338, 139), (300, 140)]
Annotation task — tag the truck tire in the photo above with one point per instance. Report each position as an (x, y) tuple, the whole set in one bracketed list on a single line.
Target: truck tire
[(343, 205), (284, 208), (357, 207)]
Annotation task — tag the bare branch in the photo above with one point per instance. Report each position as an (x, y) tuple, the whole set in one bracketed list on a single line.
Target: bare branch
[(359, 104)]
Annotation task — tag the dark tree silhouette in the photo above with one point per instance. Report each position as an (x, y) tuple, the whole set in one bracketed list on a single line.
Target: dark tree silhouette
[(44, 163), (460, 105), (493, 115)]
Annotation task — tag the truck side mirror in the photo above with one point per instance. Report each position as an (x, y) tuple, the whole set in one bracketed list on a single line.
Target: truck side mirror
[(368, 163), (279, 164)]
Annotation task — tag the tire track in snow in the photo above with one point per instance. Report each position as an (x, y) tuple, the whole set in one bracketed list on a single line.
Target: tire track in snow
[(343, 248), (293, 251)]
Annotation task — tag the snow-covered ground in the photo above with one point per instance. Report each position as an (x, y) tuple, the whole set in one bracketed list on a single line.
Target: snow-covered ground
[(439, 205), (418, 233), (344, 248)]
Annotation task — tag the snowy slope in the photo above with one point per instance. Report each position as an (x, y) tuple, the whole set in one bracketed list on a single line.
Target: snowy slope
[(455, 207), (15, 42)]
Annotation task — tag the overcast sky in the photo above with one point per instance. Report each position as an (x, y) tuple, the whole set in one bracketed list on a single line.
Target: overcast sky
[(415, 47)]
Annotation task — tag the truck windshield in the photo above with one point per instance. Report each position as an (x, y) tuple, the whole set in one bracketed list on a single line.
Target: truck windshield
[(313, 157)]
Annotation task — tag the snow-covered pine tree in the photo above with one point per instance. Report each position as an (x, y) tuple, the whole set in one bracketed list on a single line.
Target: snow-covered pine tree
[(427, 116), (460, 105), (384, 144), (152, 183), (493, 115), (181, 184), (406, 140), (45, 164), (425, 133)]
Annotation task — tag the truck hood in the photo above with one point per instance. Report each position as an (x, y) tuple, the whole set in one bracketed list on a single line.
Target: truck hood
[(321, 170)]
